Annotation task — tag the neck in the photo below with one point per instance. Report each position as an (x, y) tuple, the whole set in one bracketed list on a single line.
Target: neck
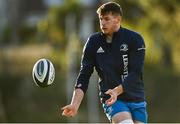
[(109, 36), (117, 28)]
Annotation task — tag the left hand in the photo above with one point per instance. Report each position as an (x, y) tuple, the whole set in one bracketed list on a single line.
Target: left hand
[(114, 94), (113, 97)]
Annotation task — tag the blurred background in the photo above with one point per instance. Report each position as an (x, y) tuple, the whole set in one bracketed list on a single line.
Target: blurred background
[(57, 30)]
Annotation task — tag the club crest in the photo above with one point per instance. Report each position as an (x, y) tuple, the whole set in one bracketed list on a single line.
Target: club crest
[(124, 47)]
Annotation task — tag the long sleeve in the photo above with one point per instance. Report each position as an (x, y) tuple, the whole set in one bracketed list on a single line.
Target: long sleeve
[(134, 80), (87, 66)]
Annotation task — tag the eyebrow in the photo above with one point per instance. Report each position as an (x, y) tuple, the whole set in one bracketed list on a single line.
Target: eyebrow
[(103, 16)]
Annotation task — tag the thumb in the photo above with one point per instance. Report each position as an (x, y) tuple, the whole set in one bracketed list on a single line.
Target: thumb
[(65, 107), (108, 92)]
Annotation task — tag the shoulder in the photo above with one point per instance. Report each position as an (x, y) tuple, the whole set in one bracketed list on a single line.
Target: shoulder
[(94, 38), (134, 39), (93, 41), (133, 36)]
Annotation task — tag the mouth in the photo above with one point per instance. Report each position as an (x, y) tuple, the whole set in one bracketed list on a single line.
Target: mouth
[(103, 28)]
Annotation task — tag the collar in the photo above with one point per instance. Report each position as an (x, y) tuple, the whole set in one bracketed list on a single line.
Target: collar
[(115, 33)]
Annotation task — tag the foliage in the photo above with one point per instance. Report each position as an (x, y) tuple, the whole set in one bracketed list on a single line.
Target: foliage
[(158, 22)]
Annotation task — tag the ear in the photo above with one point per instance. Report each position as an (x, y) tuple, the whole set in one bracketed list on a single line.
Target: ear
[(118, 19)]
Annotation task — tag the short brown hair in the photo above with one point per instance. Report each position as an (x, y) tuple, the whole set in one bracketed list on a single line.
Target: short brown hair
[(113, 7)]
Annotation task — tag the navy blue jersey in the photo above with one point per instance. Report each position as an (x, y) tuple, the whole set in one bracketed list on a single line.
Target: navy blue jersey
[(118, 62)]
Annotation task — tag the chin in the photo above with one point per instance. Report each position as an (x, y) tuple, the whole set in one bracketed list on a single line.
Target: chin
[(105, 32)]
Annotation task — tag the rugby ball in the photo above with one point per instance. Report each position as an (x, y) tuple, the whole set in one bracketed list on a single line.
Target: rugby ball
[(43, 73)]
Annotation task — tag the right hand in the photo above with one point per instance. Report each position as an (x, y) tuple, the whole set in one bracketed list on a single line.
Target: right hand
[(69, 110)]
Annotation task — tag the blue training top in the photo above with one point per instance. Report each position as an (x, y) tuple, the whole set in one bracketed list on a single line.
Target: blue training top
[(118, 62)]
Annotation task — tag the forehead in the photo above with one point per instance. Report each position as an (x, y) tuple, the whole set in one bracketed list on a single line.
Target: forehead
[(106, 15)]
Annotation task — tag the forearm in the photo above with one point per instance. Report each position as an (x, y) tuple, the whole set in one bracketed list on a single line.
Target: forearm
[(118, 90), (78, 95)]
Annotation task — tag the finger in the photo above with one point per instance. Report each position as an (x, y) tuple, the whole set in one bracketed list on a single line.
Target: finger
[(66, 110), (63, 113), (65, 107), (110, 101), (107, 101), (66, 113), (108, 92), (70, 114)]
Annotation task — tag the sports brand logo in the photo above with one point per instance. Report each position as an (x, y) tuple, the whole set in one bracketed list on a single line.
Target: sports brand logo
[(100, 50)]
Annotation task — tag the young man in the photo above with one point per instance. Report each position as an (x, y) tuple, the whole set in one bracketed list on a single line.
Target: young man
[(118, 56)]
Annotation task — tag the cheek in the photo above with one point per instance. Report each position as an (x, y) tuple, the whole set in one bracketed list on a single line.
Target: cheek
[(112, 25), (109, 24)]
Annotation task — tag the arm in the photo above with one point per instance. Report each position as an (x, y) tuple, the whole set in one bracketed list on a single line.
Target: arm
[(134, 80), (136, 62), (81, 86), (71, 110), (77, 97)]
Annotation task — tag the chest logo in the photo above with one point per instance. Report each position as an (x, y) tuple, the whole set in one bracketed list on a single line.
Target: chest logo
[(124, 47), (100, 50)]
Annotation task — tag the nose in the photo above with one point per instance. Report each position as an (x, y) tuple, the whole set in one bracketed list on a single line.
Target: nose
[(102, 23)]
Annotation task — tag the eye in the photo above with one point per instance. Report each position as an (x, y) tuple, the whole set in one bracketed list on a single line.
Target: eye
[(100, 19), (106, 19)]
